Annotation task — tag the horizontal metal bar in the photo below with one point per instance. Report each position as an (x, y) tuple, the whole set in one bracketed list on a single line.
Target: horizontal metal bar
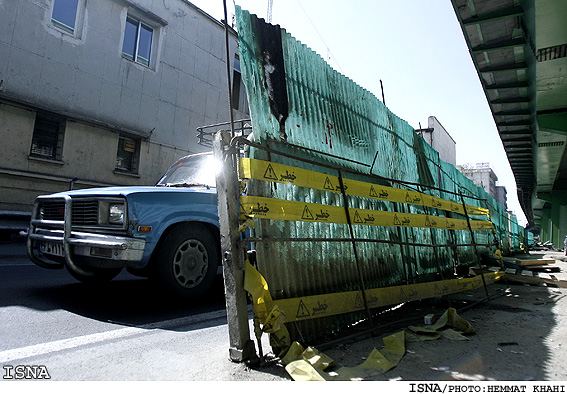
[(241, 140), (371, 240)]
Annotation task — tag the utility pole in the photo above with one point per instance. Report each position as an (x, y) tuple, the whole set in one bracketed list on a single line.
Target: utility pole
[(233, 256)]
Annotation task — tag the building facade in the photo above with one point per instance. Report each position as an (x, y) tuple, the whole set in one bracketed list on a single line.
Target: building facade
[(106, 92), (440, 140), (482, 175)]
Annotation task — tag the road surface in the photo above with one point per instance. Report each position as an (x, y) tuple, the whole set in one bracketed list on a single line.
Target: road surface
[(123, 330)]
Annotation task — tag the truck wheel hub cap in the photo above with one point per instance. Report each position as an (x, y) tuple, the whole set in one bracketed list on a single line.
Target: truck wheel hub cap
[(190, 263)]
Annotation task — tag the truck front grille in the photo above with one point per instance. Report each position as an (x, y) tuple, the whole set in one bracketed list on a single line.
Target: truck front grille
[(84, 212), (52, 211)]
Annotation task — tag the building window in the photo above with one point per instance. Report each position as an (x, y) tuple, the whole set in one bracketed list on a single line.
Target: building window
[(239, 101), (127, 155), (47, 140), (236, 80), (137, 44), (64, 14)]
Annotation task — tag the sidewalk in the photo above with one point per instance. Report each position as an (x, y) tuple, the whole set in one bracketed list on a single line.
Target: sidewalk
[(521, 334)]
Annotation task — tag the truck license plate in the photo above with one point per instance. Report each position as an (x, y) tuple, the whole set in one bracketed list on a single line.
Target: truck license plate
[(50, 248)]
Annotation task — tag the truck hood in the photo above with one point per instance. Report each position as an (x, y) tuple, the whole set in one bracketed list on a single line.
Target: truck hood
[(131, 190)]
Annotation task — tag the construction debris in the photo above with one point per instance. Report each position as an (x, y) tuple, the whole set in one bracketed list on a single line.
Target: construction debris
[(547, 245), (530, 271)]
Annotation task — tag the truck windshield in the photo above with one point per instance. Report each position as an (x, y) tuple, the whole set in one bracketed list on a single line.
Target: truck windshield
[(197, 170)]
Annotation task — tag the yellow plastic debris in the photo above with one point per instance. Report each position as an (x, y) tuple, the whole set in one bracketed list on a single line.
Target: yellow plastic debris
[(450, 318), (308, 364), (301, 370)]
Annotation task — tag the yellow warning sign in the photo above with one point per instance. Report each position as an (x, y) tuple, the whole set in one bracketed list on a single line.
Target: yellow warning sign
[(271, 208), (274, 172)]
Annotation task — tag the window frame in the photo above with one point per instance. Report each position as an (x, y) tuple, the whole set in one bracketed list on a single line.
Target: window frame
[(47, 117), (135, 158), (62, 26), (140, 25)]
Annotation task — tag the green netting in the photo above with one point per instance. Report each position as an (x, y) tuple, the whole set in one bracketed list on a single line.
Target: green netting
[(298, 101)]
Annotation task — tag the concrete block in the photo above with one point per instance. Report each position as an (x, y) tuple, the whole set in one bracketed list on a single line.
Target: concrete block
[(168, 90), (113, 67), (198, 100), (23, 73), (190, 25), (212, 108), (184, 90), (129, 107), (86, 94), (171, 48), (133, 76), (187, 57), (149, 107), (166, 121), (89, 59), (151, 84), (217, 73), (109, 104), (61, 51), (4, 57), (8, 12), (29, 33), (182, 127), (56, 85), (201, 63)]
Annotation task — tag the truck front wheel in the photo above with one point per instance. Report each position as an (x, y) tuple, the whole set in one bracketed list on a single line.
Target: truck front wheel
[(94, 275), (187, 260)]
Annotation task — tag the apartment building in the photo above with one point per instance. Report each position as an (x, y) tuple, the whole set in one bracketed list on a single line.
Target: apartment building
[(105, 92)]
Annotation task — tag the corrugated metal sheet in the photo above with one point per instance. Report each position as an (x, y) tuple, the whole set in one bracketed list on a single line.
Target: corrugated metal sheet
[(298, 101)]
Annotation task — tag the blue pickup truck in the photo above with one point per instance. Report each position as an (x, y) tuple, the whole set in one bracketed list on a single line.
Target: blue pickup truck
[(168, 232)]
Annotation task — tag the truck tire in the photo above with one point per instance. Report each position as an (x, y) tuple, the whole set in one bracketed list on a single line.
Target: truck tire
[(187, 261), (97, 275)]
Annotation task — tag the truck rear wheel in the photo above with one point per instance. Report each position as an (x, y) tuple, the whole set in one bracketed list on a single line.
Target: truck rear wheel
[(187, 260)]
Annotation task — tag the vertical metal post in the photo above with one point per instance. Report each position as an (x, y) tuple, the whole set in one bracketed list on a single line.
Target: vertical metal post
[(355, 250), (479, 260), (228, 70), (233, 255)]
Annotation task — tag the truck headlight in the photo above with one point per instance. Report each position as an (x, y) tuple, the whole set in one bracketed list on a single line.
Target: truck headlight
[(116, 213)]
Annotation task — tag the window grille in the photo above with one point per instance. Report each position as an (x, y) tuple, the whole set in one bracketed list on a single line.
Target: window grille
[(47, 140)]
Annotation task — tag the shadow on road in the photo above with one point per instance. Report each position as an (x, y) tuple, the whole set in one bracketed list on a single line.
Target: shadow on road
[(126, 300)]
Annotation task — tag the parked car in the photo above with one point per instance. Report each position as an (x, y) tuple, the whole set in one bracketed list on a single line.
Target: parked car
[(169, 232)]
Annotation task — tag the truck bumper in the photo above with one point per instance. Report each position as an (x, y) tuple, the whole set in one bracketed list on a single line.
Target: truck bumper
[(52, 244)]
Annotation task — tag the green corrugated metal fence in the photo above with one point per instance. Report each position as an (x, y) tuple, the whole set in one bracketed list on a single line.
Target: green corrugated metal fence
[(301, 106)]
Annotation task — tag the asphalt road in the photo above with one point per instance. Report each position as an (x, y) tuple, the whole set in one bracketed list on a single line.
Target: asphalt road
[(123, 330)]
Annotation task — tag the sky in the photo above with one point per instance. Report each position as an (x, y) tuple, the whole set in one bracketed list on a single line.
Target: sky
[(417, 49)]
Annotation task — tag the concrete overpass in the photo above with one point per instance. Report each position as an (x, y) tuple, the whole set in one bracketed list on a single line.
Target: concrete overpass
[(519, 49)]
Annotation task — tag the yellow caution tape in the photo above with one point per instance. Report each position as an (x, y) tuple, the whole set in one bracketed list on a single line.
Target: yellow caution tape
[(274, 172), (272, 322), (271, 208), (315, 306), (309, 364)]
